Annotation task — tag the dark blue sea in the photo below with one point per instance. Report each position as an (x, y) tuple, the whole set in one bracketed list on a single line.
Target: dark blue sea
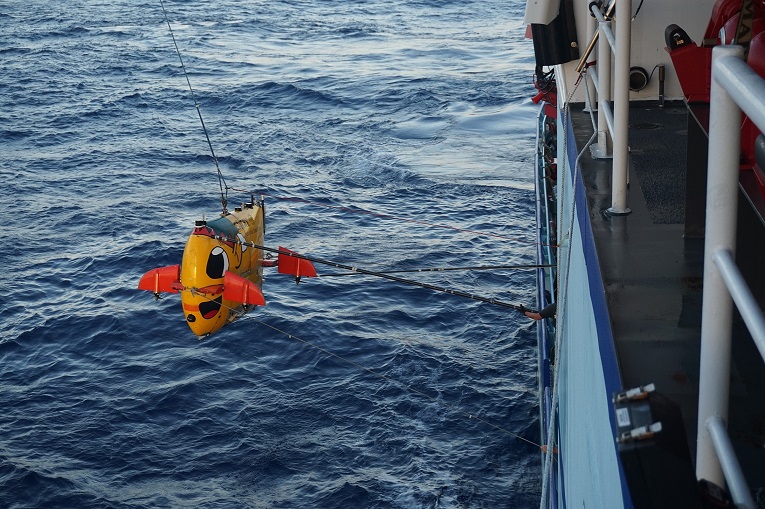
[(387, 135)]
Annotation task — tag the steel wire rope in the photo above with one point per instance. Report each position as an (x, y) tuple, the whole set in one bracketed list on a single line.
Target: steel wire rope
[(411, 282), (384, 275), (550, 438), (221, 180), (402, 385)]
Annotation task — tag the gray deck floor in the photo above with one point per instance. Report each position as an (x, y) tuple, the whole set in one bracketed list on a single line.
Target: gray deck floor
[(652, 272)]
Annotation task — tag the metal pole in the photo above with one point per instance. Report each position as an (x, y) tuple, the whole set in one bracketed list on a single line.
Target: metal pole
[(607, 115), (601, 150), (621, 108), (722, 204), (739, 490), (607, 32), (742, 296), (591, 26)]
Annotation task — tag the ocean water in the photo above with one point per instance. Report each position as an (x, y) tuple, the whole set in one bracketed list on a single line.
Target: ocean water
[(385, 135)]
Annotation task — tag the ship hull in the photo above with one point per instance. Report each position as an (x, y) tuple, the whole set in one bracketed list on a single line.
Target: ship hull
[(582, 358)]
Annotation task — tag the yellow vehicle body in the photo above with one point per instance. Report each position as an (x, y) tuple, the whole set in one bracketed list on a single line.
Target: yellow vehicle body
[(213, 248), (221, 274)]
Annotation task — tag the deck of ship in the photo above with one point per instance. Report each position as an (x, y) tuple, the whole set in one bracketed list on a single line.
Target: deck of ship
[(652, 261)]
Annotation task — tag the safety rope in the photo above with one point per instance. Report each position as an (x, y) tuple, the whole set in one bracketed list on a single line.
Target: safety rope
[(411, 282), (221, 180), (383, 215), (448, 269)]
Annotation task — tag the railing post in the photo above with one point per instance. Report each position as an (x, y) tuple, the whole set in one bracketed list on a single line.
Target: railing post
[(601, 149), (621, 108), (738, 488), (591, 25), (722, 204)]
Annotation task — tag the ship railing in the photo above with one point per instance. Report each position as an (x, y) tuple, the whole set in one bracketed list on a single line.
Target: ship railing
[(735, 88), (546, 278), (600, 77), (548, 256), (613, 122)]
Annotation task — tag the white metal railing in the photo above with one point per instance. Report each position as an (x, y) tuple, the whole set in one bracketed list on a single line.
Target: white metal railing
[(601, 78), (621, 107), (742, 297), (605, 116), (616, 122), (735, 88), (605, 26), (727, 456), (545, 256)]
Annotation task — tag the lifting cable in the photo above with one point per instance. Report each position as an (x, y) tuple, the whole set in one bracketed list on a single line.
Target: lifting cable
[(221, 180), (313, 259)]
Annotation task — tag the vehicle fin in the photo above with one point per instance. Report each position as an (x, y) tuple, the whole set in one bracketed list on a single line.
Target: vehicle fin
[(242, 290), (294, 265), (162, 279)]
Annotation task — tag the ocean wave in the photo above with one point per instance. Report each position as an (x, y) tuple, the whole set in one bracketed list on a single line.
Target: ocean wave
[(384, 136)]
